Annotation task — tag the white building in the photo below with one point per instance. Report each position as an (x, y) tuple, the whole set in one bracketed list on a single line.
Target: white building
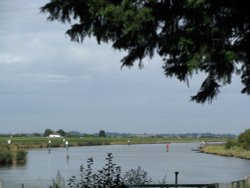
[(55, 135)]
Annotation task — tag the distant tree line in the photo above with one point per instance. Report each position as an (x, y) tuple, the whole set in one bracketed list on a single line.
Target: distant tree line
[(61, 132), (173, 135), (103, 133), (47, 132)]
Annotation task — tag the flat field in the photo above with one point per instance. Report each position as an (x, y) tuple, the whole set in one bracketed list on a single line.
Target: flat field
[(43, 142)]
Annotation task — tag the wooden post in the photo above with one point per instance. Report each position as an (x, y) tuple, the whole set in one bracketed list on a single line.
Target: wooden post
[(176, 179)]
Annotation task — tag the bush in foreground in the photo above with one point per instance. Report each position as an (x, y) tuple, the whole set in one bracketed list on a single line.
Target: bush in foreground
[(108, 177)]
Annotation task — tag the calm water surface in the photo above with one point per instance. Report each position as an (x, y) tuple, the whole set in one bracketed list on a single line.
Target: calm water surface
[(193, 167)]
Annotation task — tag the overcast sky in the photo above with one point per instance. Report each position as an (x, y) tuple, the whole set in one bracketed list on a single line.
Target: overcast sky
[(47, 81)]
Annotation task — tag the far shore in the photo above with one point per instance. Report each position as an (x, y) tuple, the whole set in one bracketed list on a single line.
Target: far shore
[(45, 142)]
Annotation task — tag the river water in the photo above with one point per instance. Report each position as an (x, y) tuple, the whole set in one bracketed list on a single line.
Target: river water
[(193, 167)]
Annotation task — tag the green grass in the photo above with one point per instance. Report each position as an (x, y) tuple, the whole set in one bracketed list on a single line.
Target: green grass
[(219, 149), (42, 142)]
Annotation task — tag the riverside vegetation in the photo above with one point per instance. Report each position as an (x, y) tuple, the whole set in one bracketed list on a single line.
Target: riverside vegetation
[(239, 147), (42, 142), (11, 154), (15, 152)]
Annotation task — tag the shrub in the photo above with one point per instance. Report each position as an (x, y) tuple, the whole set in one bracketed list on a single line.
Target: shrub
[(5, 157), (21, 156), (230, 144), (244, 139), (58, 182), (109, 176), (11, 154), (136, 177)]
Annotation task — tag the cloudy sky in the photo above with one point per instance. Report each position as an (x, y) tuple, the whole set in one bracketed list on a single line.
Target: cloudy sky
[(47, 81)]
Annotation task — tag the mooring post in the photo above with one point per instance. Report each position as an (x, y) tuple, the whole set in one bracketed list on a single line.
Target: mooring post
[(176, 179), (167, 147), (22, 185), (49, 145), (67, 149), (9, 142)]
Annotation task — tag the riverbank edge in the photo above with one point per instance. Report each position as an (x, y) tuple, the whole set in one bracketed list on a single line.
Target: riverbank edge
[(27, 143), (44, 142), (8, 155), (219, 149)]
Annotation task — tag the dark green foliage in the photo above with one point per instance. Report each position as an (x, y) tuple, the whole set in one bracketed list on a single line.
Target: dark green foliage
[(11, 154), (47, 132), (136, 177), (21, 156), (244, 139), (191, 36), (61, 132), (108, 177), (5, 157), (55, 144), (102, 133), (231, 143)]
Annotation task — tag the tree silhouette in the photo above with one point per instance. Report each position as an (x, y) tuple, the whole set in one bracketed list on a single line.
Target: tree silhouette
[(47, 132), (102, 133), (191, 36)]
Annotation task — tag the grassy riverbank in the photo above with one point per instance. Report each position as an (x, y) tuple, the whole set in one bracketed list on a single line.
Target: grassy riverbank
[(43, 142), (12, 149), (219, 149)]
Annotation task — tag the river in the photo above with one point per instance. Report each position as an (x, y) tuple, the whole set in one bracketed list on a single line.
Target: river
[(193, 167)]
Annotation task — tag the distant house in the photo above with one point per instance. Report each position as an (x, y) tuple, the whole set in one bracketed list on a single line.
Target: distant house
[(55, 135)]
